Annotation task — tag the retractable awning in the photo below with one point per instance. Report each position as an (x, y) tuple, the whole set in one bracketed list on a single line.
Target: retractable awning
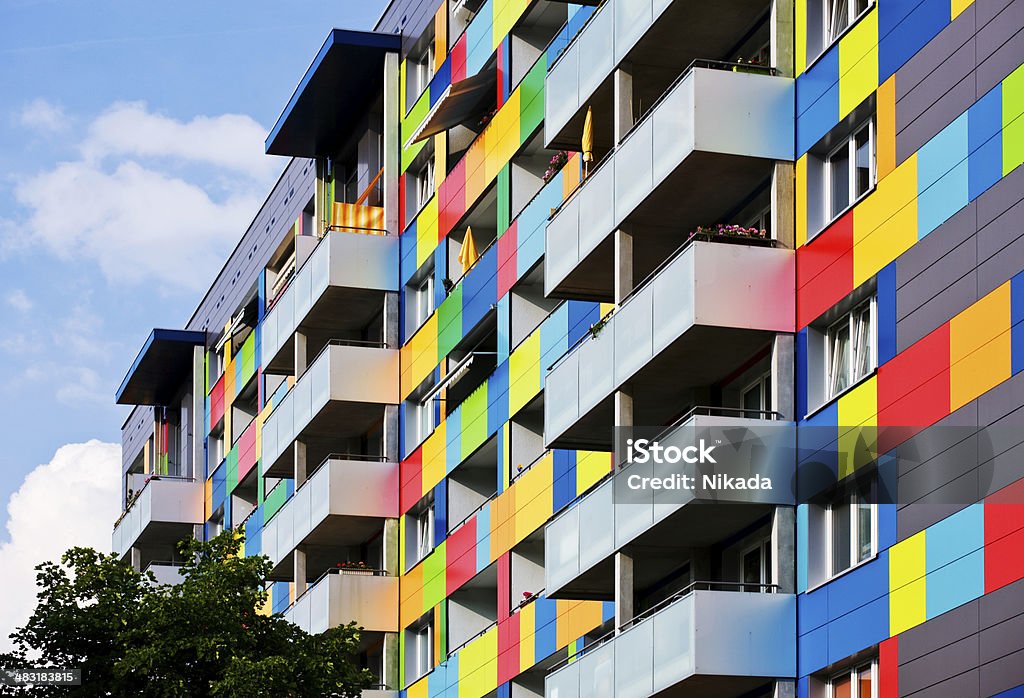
[(161, 368), (462, 102)]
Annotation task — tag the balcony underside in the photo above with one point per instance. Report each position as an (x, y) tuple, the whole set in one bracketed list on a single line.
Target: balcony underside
[(328, 432), (702, 356), (325, 545), (705, 189), (336, 312)]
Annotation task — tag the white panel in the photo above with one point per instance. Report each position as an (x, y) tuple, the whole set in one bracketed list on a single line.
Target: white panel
[(364, 261), (634, 666), (364, 374), (596, 367), (561, 80), (632, 19), (561, 244), (744, 113), (303, 292), (359, 488), (597, 672), (673, 643), (673, 300), (633, 335), (301, 403), (673, 129), (633, 162), (597, 538), (561, 396), (561, 549), (564, 683), (595, 210), (745, 287), (593, 44)]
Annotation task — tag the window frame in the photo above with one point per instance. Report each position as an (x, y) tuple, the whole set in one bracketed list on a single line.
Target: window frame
[(849, 317), (426, 522), (424, 294), (850, 143), (763, 384), (851, 673), (423, 631), (850, 499), (425, 183), (852, 17)]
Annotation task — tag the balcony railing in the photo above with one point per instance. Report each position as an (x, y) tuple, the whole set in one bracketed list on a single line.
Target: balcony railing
[(340, 596), (726, 637), (162, 500)]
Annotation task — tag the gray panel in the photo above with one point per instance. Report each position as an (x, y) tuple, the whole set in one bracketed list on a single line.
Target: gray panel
[(918, 119), (1002, 674), (936, 311), (1001, 231), (957, 63), (938, 438), (1001, 640), (947, 271), (936, 244), (945, 663), (1000, 64), (1001, 604), (938, 632), (937, 505), (1003, 399), (923, 63), (1003, 470), (986, 10), (962, 686), (1000, 197), (992, 35), (938, 471)]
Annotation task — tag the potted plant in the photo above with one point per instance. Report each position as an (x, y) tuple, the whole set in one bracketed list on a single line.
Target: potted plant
[(555, 165)]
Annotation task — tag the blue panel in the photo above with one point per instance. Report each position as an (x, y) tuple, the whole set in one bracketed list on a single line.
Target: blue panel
[(1017, 322), (607, 610), (801, 373), (440, 512), (812, 651), (504, 325), (942, 176), (886, 283), (858, 588), (955, 584), (407, 250), (812, 609), (478, 39), (1017, 692), (453, 438), (279, 597), (803, 688), (480, 289), (440, 273), (984, 122), (582, 315), (904, 27), (801, 548), (504, 691), (497, 398), (817, 101), (887, 525), (859, 630), (483, 538), (545, 639), (554, 339), (441, 81), (817, 454), (564, 485), (955, 537)]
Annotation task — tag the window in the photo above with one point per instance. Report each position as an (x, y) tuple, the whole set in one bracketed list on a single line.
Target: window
[(757, 566), (419, 527), (850, 349), (857, 682), (424, 67), (420, 648), (852, 526), (840, 14), (425, 299), (425, 414), (756, 398), (425, 183), (850, 170)]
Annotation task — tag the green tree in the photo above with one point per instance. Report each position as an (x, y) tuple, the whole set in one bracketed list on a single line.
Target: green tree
[(202, 637)]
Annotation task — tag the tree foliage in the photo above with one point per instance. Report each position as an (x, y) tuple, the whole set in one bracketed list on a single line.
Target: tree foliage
[(203, 637)]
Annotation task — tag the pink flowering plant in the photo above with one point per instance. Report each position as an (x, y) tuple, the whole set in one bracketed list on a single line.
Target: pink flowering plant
[(555, 165), (731, 231)]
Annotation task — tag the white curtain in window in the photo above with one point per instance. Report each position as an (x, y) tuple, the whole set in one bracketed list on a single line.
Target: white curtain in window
[(839, 368), (838, 17)]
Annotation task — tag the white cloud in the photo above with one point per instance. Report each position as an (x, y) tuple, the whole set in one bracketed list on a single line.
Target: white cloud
[(70, 501), (41, 115), (126, 206), (19, 300), (229, 141)]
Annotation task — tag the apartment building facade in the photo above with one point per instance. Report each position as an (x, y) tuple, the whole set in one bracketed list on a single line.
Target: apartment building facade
[(514, 232)]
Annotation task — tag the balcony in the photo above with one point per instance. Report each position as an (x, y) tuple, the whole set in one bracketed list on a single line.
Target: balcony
[(708, 144), (166, 572), (135, 433), (580, 542), (369, 598), (340, 287), (697, 318), (341, 396), (654, 36), (700, 643), (164, 512), (342, 504)]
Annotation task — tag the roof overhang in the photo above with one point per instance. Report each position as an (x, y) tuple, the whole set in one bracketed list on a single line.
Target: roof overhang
[(330, 97), (460, 103), (161, 368)]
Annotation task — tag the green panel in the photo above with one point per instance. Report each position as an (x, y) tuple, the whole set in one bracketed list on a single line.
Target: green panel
[(248, 359), (416, 116), (474, 420), (433, 576), (449, 323), (261, 489), (442, 622), (232, 473), (1013, 123), (275, 500), (531, 99), (504, 194)]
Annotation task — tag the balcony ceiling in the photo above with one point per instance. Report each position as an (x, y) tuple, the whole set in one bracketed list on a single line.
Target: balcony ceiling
[(329, 99), (160, 369)]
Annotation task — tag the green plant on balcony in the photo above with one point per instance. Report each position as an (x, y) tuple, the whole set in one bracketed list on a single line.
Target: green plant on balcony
[(728, 233)]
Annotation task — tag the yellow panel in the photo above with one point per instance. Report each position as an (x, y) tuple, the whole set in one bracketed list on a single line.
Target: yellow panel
[(907, 561), (583, 617), (502, 523), (858, 441), (426, 232), (591, 466), (885, 223), (800, 36), (527, 628), (434, 458), (419, 356), (562, 637), (885, 127), (801, 201), (524, 372), (979, 347), (440, 35), (418, 689), (858, 63), (478, 666), (440, 160), (958, 6), (533, 498), (907, 606)]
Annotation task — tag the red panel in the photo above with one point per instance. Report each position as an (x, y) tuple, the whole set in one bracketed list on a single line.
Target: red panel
[(502, 48), (247, 450), (401, 203), (459, 59), (410, 472), (1004, 536), (508, 648), (217, 402), (913, 388), (888, 668), (824, 270), (504, 585), (461, 556), (508, 246)]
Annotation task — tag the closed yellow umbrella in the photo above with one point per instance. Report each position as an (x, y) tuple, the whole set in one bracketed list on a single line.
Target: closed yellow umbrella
[(588, 136), (468, 254)]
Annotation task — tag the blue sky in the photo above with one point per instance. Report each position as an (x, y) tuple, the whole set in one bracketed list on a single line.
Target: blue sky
[(130, 163)]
